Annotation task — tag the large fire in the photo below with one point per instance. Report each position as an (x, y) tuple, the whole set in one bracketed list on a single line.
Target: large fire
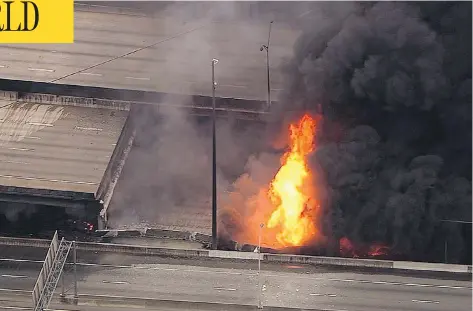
[(289, 203), (291, 192)]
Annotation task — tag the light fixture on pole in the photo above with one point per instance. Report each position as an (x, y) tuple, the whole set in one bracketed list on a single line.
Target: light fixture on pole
[(214, 162), (266, 47)]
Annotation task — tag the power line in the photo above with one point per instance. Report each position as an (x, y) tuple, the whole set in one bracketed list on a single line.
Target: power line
[(127, 54)]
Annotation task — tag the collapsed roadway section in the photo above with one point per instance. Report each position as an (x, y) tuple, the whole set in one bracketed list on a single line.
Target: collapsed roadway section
[(62, 154)]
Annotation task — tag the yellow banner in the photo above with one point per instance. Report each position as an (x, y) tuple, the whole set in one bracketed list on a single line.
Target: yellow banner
[(37, 21)]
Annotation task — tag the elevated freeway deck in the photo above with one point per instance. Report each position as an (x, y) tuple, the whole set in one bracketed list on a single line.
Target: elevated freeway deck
[(56, 147), (178, 62), (59, 154)]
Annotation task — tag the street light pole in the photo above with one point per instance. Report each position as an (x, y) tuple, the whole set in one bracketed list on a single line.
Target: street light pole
[(266, 47), (214, 161), (74, 254), (260, 290)]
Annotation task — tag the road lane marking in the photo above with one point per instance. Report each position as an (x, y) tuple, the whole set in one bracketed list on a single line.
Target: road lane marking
[(14, 162), (13, 276), (40, 124), (425, 301), (138, 78), (91, 74), (88, 128), (115, 282), (450, 286), (20, 149), (226, 289), (318, 294), (41, 69), (235, 86), (417, 285)]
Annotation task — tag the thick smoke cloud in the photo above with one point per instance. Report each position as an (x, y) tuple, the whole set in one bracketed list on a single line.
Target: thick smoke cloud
[(166, 181), (394, 84)]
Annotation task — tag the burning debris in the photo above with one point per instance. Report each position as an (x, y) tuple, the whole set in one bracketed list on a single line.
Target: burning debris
[(349, 249)]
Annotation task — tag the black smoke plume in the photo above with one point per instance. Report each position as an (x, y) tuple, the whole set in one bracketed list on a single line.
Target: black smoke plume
[(394, 83)]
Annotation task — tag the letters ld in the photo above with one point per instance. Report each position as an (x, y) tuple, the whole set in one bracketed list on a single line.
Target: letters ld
[(6, 10)]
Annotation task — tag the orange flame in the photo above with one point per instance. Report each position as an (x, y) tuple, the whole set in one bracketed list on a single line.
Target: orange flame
[(348, 249), (291, 191)]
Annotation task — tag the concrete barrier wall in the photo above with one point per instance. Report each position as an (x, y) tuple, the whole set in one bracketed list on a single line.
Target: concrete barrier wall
[(168, 234), (332, 261), (201, 105), (438, 267), (235, 255), (73, 101), (7, 95), (141, 250), (156, 233), (277, 258), (25, 242), (63, 100)]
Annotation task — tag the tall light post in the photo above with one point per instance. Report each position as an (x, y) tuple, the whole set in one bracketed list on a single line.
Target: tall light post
[(260, 289), (214, 161), (266, 47)]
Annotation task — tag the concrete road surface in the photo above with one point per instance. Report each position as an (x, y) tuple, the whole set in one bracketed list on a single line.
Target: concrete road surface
[(56, 147), (179, 60), (228, 282)]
